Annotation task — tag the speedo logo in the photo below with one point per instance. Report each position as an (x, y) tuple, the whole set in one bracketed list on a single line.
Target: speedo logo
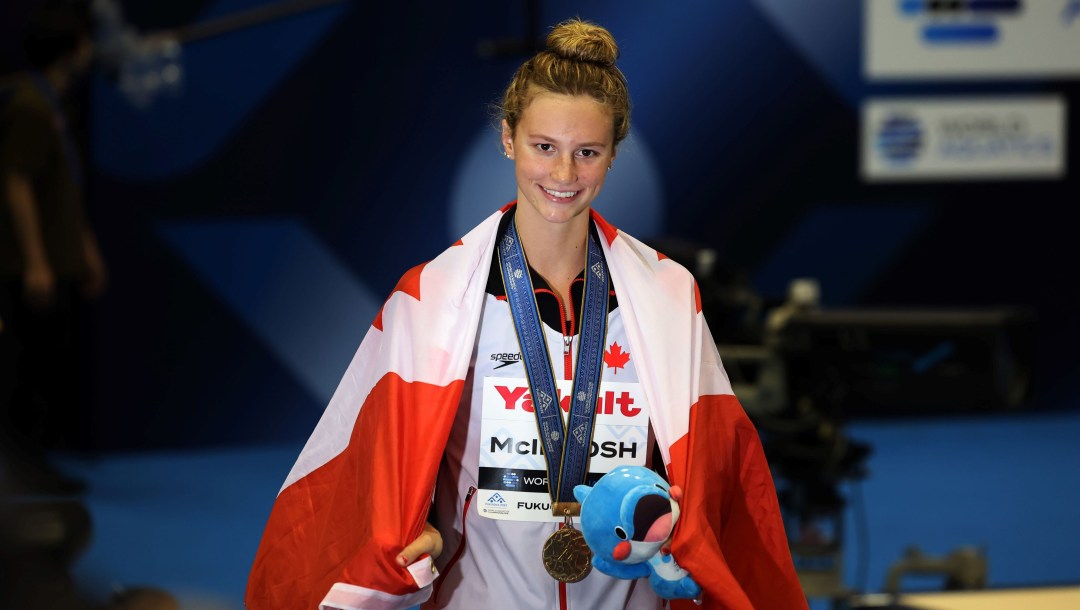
[(505, 359)]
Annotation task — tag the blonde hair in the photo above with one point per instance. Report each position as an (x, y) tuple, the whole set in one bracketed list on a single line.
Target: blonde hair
[(579, 60)]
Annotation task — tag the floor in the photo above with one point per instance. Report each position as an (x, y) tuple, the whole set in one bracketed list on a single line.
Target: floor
[(190, 521)]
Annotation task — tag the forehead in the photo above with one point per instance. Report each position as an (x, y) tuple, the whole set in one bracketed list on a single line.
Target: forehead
[(570, 117)]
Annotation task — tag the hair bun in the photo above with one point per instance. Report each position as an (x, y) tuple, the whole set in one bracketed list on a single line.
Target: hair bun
[(583, 41)]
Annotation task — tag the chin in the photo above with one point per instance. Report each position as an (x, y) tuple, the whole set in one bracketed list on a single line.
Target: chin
[(563, 211)]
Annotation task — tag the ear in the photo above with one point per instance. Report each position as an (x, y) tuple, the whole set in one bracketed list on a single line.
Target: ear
[(581, 491), (507, 139)]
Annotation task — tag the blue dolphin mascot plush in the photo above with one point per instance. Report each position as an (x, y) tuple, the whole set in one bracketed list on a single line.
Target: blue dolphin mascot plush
[(627, 519)]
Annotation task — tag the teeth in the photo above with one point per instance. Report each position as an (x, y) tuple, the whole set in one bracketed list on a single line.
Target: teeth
[(563, 194)]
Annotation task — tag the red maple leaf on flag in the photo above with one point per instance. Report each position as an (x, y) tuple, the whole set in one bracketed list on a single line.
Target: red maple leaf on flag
[(615, 358)]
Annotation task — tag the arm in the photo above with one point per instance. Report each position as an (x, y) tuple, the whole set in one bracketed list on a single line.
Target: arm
[(335, 535), (38, 280), (362, 486), (733, 537), (346, 529)]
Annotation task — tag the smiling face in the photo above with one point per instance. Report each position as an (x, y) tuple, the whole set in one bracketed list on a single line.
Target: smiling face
[(562, 147)]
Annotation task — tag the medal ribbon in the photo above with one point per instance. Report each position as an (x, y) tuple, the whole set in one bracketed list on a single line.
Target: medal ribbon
[(566, 448)]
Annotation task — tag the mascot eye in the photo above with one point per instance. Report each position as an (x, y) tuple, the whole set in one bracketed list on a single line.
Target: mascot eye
[(621, 533)]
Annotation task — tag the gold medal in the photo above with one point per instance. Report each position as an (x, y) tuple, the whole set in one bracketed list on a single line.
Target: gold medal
[(566, 555)]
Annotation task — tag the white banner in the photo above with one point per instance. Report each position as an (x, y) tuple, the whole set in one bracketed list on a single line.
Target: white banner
[(513, 474), (985, 138), (908, 39)]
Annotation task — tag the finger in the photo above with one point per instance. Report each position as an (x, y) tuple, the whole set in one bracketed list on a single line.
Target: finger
[(420, 546)]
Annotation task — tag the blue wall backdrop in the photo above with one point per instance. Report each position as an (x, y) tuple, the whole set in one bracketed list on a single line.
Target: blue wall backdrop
[(255, 219)]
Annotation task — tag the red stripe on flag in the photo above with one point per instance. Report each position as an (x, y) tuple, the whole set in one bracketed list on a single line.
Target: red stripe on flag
[(730, 535), (349, 519)]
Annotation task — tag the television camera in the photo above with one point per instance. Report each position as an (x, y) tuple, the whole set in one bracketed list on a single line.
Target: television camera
[(802, 371)]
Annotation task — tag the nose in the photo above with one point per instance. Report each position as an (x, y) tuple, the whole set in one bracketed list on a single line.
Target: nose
[(564, 170)]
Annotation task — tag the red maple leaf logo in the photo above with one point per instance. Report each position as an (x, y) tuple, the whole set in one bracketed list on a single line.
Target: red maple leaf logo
[(616, 358)]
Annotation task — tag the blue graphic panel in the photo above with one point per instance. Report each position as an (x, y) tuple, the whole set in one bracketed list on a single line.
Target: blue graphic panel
[(827, 33), (277, 277)]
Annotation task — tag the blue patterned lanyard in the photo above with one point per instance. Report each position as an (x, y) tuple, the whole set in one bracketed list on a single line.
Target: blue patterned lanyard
[(568, 452)]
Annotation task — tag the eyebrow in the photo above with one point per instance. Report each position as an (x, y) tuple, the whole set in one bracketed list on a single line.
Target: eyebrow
[(538, 136)]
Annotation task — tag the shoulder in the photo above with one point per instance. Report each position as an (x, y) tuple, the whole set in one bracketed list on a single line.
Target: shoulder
[(640, 270), (631, 251), (458, 266)]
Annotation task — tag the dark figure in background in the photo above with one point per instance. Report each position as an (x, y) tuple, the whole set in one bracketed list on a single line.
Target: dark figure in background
[(49, 256), (39, 543)]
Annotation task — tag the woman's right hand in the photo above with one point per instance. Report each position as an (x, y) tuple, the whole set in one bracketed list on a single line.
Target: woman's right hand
[(429, 541)]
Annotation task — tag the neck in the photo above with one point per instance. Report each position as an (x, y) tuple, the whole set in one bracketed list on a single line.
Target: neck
[(555, 251)]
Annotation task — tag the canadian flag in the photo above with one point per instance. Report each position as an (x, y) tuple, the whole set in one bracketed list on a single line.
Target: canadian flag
[(361, 488)]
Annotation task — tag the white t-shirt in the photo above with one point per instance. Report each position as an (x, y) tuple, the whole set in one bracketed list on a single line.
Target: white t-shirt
[(494, 446)]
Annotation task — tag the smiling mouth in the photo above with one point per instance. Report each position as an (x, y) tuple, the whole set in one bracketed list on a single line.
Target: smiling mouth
[(560, 194)]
